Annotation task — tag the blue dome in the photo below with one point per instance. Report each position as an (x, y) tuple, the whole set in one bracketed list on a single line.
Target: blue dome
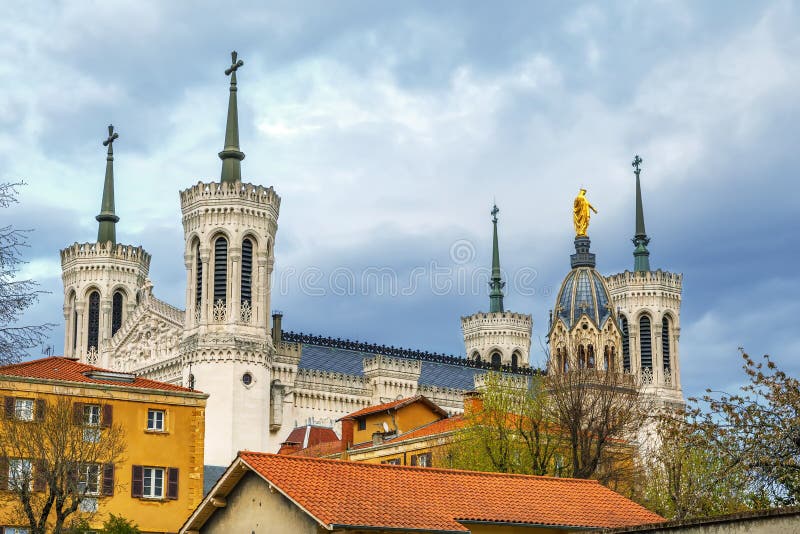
[(583, 292)]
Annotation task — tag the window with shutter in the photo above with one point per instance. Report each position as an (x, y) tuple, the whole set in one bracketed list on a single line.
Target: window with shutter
[(40, 408), (40, 475), (137, 481), (9, 405), (108, 415), (172, 483), (77, 413), (108, 479)]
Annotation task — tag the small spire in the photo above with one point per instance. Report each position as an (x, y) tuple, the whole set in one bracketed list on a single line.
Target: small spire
[(641, 256), (496, 284), (107, 230), (231, 156)]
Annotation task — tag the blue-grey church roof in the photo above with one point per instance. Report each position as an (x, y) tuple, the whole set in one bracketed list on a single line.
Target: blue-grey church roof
[(583, 291), (347, 357)]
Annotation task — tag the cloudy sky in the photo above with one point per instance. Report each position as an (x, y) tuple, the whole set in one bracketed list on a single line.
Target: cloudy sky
[(389, 129)]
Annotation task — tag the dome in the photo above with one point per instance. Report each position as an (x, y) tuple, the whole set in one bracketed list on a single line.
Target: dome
[(583, 292)]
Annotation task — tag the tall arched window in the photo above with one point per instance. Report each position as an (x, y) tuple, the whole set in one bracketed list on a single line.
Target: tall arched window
[(247, 270), (590, 357), (94, 321), (607, 358), (581, 357), (220, 270), (116, 311), (514, 360), (198, 277), (496, 360), (665, 343), (626, 346), (645, 342)]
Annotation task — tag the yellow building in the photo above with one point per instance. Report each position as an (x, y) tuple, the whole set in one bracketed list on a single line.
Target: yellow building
[(158, 481)]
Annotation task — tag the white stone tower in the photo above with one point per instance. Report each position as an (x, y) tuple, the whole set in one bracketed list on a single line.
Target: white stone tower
[(649, 305), (229, 230), (498, 337), (102, 280)]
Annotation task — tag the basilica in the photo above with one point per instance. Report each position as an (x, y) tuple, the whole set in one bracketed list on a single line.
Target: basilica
[(263, 381)]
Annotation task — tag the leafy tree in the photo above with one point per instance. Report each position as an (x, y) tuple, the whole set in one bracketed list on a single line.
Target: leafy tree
[(576, 424), (508, 430), (119, 525), (54, 462), (758, 428), (16, 296), (686, 476)]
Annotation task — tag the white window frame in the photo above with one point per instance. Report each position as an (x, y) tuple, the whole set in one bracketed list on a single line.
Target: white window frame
[(149, 482), (23, 409), (84, 476), (154, 424), (19, 467), (91, 414)]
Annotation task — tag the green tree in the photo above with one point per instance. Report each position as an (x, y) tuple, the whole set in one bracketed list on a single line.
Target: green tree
[(119, 525), (686, 476), (757, 428)]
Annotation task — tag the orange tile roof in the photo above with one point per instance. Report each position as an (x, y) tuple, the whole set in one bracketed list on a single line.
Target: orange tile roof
[(343, 493), (320, 450), (395, 404), (68, 370)]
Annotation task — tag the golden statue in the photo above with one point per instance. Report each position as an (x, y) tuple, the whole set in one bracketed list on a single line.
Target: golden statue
[(580, 213)]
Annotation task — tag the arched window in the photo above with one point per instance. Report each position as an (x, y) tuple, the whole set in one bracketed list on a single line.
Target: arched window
[(221, 270), (590, 357), (74, 321), (94, 321), (514, 360), (247, 270), (476, 356), (645, 342), (607, 358), (198, 276), (626, 346), (116, 311), (581, 357), (665, 343), (496, 360), (564, 360)]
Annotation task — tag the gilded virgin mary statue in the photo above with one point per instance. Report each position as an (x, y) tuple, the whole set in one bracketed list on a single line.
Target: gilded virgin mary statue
[(580, 213)]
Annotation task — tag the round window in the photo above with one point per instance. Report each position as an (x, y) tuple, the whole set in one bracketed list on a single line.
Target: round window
[(247, 379)]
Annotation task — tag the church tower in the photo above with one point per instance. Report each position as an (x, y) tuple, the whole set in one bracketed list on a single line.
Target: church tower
[(229, 231), (649, 304), (499, 337), (583, 328), (102, 280)]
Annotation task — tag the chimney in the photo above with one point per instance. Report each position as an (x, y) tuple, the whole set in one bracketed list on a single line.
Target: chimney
[(377, 438), (289, 447), (347, 433), (473, 403), (276, 327)]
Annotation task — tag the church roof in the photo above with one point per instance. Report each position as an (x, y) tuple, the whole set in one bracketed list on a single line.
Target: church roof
[(583, 292), (347, 357), (354, 494)]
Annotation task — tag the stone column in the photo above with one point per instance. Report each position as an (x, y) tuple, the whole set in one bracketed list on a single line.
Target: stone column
[(80, 343), (191, 305), (234, 284), (206, 306)]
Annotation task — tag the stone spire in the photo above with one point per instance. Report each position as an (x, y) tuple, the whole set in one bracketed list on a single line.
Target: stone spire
[(106, 230), (496, 284), (231, 156), (641, 256)]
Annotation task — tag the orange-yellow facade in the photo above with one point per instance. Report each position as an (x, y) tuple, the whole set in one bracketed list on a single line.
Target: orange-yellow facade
[(172, 446)]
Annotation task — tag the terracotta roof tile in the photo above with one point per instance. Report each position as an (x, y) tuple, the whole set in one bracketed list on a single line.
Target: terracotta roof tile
[(337, 492), (399, 403), (68, 370)]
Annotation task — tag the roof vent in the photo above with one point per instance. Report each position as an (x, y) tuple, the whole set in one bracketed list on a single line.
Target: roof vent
[(110, 375)]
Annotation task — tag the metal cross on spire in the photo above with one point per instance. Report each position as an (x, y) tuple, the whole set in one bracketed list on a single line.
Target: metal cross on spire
[(637, 161), (112, 136), (231, 156), (106, 230), (494, 212), (235, 64)]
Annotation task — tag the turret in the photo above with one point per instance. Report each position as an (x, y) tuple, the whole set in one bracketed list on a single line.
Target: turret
[(102, 280), (500, 337)]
